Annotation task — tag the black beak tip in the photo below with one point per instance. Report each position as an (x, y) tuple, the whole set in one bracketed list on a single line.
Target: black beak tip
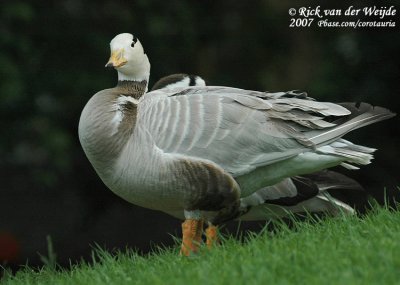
[(109, 64)]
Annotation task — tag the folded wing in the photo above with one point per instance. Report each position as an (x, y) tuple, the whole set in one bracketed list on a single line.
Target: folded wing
[(237, 129)]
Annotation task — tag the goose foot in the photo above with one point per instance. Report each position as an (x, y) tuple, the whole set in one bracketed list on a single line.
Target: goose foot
[(192, 230), (212, 236)]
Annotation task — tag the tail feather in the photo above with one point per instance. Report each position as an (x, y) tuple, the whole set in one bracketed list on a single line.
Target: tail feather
[(360, 116), (351, 152)]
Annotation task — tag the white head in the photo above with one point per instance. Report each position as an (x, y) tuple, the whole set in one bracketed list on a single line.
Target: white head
[(128, 58)]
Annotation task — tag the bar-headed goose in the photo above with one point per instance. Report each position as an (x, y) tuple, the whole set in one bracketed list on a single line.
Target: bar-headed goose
[(178, 80), (200, 153)]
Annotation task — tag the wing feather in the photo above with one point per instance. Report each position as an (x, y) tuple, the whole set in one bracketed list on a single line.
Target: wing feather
[(239, 129)]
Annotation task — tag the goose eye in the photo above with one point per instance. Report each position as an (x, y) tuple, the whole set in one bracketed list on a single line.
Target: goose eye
[(134, 40)]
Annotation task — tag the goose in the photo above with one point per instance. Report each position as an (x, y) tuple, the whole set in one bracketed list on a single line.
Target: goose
[(178, 80), (206, 154)]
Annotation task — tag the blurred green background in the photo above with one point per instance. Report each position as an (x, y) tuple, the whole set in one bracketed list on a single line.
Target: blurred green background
[(52, 61)]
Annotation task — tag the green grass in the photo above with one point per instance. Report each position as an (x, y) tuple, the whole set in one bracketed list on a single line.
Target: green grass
[(344, 250)]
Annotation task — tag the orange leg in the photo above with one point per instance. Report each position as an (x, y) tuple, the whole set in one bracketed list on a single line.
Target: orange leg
[(212, 236), (192, 230)]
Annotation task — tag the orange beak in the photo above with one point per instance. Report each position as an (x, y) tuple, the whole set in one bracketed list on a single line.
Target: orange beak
[(117, 59)]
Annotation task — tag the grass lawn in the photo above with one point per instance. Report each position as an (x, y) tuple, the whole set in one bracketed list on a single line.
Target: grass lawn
[(343, 250)]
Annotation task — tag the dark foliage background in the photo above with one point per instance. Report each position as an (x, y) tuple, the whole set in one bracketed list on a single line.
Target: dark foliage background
[(51, 62)]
